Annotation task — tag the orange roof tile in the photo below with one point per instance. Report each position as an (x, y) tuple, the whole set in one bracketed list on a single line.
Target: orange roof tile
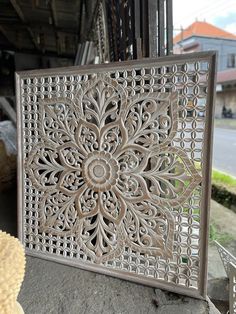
[(203, 29)]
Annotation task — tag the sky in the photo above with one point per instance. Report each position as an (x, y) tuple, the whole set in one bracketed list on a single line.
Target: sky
[(221, 13)]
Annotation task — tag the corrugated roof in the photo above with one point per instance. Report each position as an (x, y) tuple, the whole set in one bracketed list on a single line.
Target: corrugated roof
[(203, 29)]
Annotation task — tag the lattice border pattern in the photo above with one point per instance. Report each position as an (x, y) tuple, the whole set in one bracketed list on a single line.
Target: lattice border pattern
[(226, 257), (114, 168), (232, 288)]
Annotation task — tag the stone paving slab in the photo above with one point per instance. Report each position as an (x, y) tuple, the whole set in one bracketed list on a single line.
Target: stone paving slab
[(52, 288)]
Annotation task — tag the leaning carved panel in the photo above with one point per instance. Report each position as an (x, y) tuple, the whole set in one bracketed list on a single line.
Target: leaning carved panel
[(232, 288), (113, 168), (226, 257)]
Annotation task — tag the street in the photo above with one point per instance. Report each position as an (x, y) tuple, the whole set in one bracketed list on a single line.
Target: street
[(224, 150)]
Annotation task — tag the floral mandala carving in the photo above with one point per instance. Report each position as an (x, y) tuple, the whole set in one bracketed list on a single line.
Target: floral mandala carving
[(108, 170)]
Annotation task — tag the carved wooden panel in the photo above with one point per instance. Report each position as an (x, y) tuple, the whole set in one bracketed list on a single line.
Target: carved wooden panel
[(226, 257), (232, 288), (114, 167)]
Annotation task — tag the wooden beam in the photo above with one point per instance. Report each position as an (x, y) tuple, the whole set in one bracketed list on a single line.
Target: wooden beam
[(78, 13), (169, 23), (94, 5), (137, 29), (18, 10), (54, 12), (6, 35), (152, 27), (122, 30), (34, 40), (10, 47), (161, 28), (68, 30), (144, 29), (22, 18), (54, 16)]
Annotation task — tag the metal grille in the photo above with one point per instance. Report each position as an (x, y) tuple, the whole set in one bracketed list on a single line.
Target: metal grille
[(114, 168)]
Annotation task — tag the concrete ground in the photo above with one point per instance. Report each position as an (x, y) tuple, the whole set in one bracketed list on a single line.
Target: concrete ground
[(51, 288)]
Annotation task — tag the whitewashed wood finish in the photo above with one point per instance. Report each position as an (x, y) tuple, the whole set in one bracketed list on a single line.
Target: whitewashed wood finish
[(226, 257), (232, 288), (114, 173)]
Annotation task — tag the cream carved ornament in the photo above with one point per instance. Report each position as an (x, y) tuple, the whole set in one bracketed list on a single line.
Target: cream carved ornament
[(109, 171), (12, 270)]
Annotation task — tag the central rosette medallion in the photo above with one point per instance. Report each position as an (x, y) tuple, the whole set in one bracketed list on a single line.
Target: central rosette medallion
[(100, 171)]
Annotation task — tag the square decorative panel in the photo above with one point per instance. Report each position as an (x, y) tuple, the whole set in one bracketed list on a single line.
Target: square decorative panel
[(114, 168)]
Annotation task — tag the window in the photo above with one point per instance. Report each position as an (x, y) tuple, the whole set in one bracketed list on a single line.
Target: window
[(231, 60)]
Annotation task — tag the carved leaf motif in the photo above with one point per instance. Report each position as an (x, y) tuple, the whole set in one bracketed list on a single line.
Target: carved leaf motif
[(71, 181), (70, 156), (44, 167), (100, 238), (58, 214), (113, 137), (101, 100), (171, 177), (132, 161), (149, 228), (87, 202), (112, 206), (59, 120), (87, 137), (151, 118)]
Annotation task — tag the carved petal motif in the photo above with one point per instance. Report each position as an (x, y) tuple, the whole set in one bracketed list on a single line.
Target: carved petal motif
[(171, 177), (71, 181), (132, 160), (70, 156), (87, 202), (58, 214), (87, 137), (108, 170), (112, 206), (113, 137)]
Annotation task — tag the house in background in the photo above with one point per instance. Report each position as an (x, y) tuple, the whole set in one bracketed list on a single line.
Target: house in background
[(202, 36), (226, 93)]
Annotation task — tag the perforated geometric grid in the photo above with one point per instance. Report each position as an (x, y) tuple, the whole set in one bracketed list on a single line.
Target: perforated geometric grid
[(226, 257), (148, 220), (232, 288)]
